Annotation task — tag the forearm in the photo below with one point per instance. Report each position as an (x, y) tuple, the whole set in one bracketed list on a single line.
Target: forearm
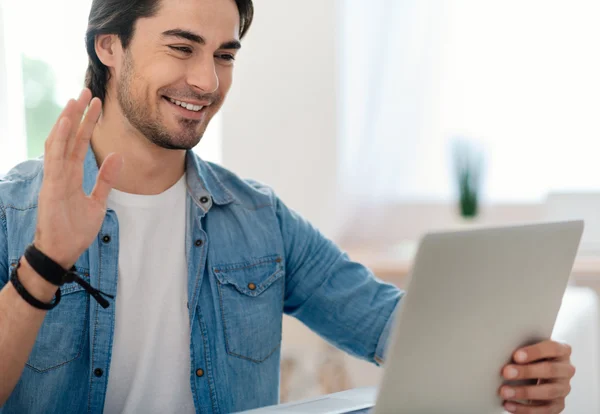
[(19, 326), (339, 299), (356, 316)]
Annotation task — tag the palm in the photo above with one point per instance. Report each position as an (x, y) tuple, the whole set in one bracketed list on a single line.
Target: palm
[(68, 219)]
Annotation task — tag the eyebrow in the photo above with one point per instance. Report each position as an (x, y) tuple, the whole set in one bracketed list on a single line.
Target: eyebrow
[(196, 38)]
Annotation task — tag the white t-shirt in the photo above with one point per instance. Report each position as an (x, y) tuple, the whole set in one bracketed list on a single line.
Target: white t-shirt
[(150, 367)]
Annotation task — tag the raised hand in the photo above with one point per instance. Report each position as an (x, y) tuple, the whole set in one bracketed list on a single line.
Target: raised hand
[(69, 220)]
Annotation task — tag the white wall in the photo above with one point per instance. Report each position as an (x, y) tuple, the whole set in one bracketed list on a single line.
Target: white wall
[(280, 119)]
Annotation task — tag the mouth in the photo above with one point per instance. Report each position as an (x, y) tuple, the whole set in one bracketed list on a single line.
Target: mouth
[(187, 109)]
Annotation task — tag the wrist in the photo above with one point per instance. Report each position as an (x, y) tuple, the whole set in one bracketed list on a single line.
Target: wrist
[(64, 262), (35, 284)]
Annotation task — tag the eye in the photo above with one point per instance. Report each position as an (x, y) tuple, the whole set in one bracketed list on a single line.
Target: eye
[(226, 57), (183, 49)]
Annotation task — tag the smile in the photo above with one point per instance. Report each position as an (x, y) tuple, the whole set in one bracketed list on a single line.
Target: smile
[(188, 106)]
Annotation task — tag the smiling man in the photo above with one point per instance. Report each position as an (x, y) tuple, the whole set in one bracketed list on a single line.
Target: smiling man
[(136, 277)]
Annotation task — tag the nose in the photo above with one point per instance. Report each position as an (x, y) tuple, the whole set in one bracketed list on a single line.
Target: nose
[(203, 76)]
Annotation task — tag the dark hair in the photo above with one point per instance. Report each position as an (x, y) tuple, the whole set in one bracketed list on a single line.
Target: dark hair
[(119, 17)]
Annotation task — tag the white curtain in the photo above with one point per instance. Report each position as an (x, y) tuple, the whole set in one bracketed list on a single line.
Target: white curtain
[(521, 78), (390, 53)]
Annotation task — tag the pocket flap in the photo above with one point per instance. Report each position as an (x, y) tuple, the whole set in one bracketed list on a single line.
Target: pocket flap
[(251, 278)]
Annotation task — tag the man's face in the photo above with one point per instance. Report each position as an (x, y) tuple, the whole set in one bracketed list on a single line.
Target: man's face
[(177, 70)]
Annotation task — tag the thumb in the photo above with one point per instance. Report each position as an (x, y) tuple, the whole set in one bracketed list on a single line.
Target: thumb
[(107, 177)]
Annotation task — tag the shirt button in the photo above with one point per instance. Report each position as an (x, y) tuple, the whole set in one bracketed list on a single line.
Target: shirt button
[(251, 286), (204, 200), (199, 242), (199, 373), (98, 372), (106, 238)]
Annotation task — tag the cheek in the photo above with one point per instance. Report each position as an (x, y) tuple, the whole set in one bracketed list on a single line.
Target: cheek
[(225, 75), (161, 74)]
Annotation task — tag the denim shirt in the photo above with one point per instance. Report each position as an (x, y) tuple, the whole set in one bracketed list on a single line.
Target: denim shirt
[(250, 260)]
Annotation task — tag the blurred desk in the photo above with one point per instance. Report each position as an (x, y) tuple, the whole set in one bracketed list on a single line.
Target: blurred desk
[(394, 264)]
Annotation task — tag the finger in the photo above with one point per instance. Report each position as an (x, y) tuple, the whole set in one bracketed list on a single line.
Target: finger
[(54, 157), (552, 408), (85, 96), (84, 99), (542, 350), (544, 370), (543, 392), (107, 178), (86, 130), (66, 113), (80, 106)]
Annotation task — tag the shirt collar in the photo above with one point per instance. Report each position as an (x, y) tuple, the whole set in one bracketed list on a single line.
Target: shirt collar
[(202, 181)]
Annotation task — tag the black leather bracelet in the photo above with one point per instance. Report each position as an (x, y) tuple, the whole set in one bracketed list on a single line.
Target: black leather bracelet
[(28, 297), (57, 275), (45, 266)]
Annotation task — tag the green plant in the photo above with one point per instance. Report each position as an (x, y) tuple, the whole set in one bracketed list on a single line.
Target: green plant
[(468, 165), (41, 109)]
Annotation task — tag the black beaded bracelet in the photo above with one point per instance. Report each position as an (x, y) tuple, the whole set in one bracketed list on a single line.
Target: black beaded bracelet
[(28, 297)]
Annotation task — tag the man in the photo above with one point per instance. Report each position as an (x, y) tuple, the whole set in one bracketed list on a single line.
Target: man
[(201, 265)]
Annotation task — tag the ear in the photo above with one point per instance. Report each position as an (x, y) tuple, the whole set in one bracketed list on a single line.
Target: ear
[(108, 48)]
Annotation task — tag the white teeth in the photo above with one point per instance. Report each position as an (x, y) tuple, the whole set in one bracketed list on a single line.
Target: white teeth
[(188, 106)]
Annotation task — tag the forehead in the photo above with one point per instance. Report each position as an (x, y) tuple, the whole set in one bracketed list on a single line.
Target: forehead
[(215, 20)]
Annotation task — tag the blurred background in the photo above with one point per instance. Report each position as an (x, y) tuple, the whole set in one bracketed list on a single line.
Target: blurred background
[(379, 121)]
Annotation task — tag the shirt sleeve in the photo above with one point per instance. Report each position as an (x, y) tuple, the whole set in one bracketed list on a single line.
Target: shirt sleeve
[(339, 299)]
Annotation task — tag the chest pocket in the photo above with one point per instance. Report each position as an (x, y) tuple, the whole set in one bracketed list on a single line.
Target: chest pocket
[(61, 338), (251, 300)]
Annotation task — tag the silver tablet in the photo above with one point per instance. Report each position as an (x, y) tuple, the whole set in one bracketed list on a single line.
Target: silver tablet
[(474, 297)]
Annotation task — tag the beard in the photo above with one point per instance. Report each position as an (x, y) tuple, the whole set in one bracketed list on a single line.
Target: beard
[(136, 107)]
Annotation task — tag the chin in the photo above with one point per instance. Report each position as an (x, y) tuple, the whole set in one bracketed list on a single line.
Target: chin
[(185, 144)]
